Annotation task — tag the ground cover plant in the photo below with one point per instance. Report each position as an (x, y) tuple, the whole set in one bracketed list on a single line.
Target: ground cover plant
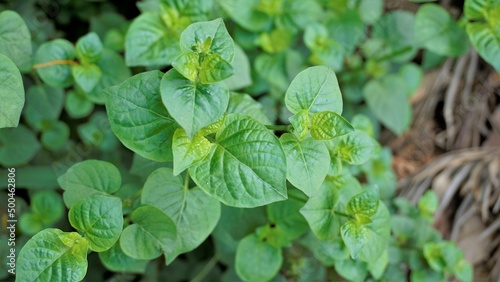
[(221, 140)]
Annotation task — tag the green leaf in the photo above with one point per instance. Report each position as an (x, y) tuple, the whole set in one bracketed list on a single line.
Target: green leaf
[(242, 71), (89, 48), (55, 137), (356, 270), (435, 30), (355, 148), (301, 123), (307, 162), (480, 9), (87, 178), (272, 69), (486, 40), (246, 167), (378, 171), (195, 213), (187, 64), (370, 10), (86, 76), (327, 125), (215, 31), (412, 75), (188, 151), (12, 91), (30, 223), (76, 105), (392, 37), (15, 40), (100, 218), (139, 118), (377, 268), (246, 105), (365, 203), (53, 255), (463, 271), (193, 105), (56, 74), (285, 217), (368, 241), (43, 107), (277, 41), (116, 260), (18, 146), (96, 133), (149, 42), (214, 68), (152, 234), (243, 12), (428, 203), (347, 29), (49, 205), (315, 89), (388, 99), (257, 260), (114, 71), (319, 212)]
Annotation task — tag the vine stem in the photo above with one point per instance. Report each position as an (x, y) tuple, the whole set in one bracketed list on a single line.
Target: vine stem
[(278, 127), (206, 269), (55, 62)]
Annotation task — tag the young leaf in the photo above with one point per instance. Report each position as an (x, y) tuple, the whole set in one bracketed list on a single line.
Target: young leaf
[(149, 42), (257, 260), (327, 125), (116, 260), (139, 118), (215, 31), (437, 31), (188, 151), (365, 203), (315, 89), (100, 218), (193, 105), (479, 9), (308, 162), (86, 76), (355, 148), (53, 255), (55, 74), (195, 213), (214, 68), (486, 39), (87, 178), (301, 123), (246, 167), (152, 234), (388, 99), (368, 241), (15, 39), (12, 91), (18, 146), (89, 48)]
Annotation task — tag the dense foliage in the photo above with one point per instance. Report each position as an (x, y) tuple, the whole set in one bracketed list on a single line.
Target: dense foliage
[(224, 140)]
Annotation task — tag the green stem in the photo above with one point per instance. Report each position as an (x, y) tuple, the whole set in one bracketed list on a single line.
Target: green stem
[(206, 269), (279, 127)]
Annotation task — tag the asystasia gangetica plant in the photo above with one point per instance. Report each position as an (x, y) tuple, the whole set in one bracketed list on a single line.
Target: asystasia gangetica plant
[(229, 166)]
